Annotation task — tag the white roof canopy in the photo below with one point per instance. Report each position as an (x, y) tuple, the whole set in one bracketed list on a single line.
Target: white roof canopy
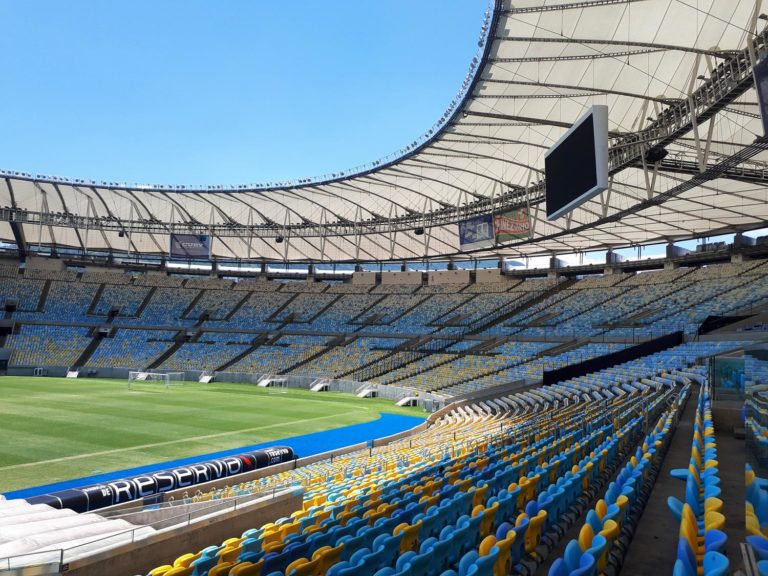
[(675, 75)]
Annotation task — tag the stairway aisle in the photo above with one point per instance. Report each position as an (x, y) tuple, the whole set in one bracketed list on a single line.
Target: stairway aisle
[(654, 544)]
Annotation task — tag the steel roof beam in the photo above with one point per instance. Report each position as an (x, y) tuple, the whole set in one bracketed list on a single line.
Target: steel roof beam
[(568, 6), (607, 42)]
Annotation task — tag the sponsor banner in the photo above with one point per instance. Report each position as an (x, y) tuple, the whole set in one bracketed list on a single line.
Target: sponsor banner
[(512, 225), (148, 485), (476, 232), (187, 246)]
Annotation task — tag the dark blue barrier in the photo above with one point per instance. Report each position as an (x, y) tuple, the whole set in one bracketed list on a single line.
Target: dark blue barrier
[(612, 359), (712, 323)]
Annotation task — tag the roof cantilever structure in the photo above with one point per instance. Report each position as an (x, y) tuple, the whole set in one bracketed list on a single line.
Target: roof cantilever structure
[(676, 76)]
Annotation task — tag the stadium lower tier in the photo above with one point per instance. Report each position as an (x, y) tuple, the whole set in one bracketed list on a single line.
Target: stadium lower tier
[(488, 488)]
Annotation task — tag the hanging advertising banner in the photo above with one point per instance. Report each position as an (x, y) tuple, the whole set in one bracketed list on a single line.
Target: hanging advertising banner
[(512, 225), (190, 246), (476, 232)]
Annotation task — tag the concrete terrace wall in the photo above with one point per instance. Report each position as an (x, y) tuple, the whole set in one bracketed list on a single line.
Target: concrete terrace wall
[(448, 277), (40, 263), (364, 278), (489, 276), (408, 278)]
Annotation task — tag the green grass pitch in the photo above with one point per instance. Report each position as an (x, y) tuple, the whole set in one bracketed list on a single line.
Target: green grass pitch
[(55, 429)]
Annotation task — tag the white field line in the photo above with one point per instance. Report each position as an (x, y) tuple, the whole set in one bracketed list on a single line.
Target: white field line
[(168, 443)]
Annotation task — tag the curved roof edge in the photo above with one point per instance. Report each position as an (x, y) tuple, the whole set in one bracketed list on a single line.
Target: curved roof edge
[(683, 158)]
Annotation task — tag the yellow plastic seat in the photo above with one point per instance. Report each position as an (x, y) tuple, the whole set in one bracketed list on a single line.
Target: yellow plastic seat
[(185, 560), (504, 565), (180, 571), (489, 519), (328, 556), (229, 554), (273, 546), (304, 567), (533, 534), (586, 535), (288, 529), (221, 569), (247, 569), (478, 495), (610, 532), (321, 515), (410, 534), (231, 542)]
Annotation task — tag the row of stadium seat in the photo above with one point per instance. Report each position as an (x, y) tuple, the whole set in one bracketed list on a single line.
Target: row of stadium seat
[(25, 291), (275, 359), (757, 517), (129, 298), (394, 550), (522, 367), (673, 300), (676, 302), (357, 510), (47, 345), (701, 543), (66, 302), (342, 359), (594, 548), (131, 349)]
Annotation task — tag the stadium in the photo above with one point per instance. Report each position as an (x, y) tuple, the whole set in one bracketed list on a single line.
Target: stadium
[(532, 341)]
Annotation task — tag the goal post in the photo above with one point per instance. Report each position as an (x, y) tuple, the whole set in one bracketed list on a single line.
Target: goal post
[(168, 379)]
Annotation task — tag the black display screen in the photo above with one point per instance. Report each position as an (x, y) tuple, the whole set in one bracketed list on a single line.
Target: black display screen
[(571, 167)]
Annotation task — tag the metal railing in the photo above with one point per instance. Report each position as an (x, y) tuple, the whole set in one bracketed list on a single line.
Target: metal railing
[(55, 559)]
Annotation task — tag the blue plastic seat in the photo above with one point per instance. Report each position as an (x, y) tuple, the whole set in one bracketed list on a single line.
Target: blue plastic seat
[(455, 536), (352, 544), (203, 564), (441, 552), (586, 567), (473, 534), (759, 545), (715, 564), (429, 523), (415, 564), (596, 550), (518, 548), (472, 564), (370, 561), (390, 547)]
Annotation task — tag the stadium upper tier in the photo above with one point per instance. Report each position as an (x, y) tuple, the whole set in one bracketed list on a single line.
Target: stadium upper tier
[(683, 159), (447, 339)]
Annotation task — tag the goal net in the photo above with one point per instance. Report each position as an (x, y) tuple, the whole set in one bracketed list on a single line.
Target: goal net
[(167, 379)]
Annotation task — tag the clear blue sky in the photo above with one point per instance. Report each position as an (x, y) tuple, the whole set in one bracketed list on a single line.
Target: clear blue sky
[(202, 92)]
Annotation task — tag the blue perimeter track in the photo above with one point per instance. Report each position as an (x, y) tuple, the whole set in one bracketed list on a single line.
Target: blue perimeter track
[(305, 445)]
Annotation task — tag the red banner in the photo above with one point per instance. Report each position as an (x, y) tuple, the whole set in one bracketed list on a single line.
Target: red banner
[(512, 225)]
